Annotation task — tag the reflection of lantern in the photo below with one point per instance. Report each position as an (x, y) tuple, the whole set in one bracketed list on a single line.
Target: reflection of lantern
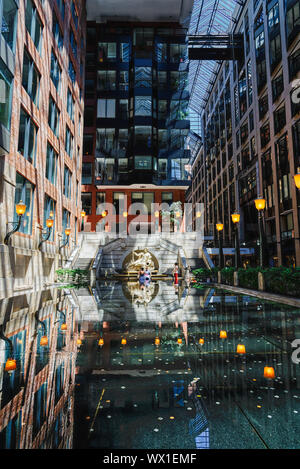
[(82, 213), (198, 214), (223, 335), (64, 327), (44, 341), (297, 180), (241, 349), (201, 341), (156, 214), (177, 214), (104, 213), (219, 226), (123, 341), (10, 365), (20, 208), (179, 340), (157, 341), (79, 342), (235, 217), (260, 204), (125, 214), (101, 341), (269, 372)]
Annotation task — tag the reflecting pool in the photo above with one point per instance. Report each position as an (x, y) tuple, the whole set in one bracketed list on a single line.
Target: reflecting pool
[(121, 366)]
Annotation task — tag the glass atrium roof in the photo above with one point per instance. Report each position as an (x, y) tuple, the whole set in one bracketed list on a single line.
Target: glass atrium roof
[(208, 17)]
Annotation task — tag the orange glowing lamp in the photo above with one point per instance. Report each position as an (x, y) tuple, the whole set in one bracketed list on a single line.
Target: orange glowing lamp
[(49, 222), (64, 327), (104, 213), (198, 214), (101, 341), (20, 208), (269, 372), (241, 349), (157, 341), (123, 341), (219, 226), (156, 214), (79, 342), (125, 214), (83, 214), (179, 340), (10, 365), (235, 217), (223, 335), (44, 341), (260, 204), (177, 214), (67, 231), (201, 341), (297, 180)]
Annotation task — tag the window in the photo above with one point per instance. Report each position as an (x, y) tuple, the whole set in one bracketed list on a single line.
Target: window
[(125, 52), (86, 202), (162, 80), (263, 106), (261, 75), (89, 113), (53, 117), (277, 87), (273, 17), (65, 221), (27, 137), (56, 31), (106, 108), (275, 51), (107, 51), (178, 80), (177, 53), (51, 164), (6, 87), (161, 52), (143, 77), (100, 201), (30, 78), (146, 198), (279, 119), (73, 43), (143, 162), (167, 197), (33, 24), (119, 202), (72, 73), (123, 109), (9, 22), (88, 144), (162, 168), (67, 182), (143, 136), (55, 72), (70, 105), (265, 134), (69, 143), (49, 207), (143, 106), (106, 80), (86, 173), (179, 168), (294, 64), (293, 21), (105, 140), (25, 192), (178, 109), (162, 109), (177, 138), (124, 81)]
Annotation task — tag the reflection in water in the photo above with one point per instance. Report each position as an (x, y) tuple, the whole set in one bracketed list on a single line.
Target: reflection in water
[(122, 372)]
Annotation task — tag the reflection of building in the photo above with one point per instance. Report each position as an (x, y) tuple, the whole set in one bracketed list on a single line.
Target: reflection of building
[(251, 132), (136, 118), (42, 54), (36, 400)]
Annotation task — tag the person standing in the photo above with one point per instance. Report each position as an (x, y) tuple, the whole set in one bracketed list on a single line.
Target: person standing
[(176, 273)]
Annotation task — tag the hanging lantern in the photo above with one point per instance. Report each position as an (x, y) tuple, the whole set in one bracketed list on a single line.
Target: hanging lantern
[(44, 341), (20, 208), (101, 341), (63, 327), (219, 226), (269, 372), (156, 214), (260, 204), (79, 342), (67, 231), (10, 365), (223, 335), (123, 341), (241, 349), (297, 180), (157, 341), (82, 213), (201, 341), (179, 340), (235, 217)]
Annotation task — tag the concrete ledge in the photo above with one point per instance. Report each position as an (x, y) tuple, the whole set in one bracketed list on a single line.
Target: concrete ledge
[(263, 295)]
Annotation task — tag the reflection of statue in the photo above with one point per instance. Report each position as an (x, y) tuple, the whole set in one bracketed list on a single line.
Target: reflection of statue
[(141, 294), (140, 259)]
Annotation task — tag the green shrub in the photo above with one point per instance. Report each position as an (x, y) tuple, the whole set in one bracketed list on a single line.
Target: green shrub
[(227, 275)]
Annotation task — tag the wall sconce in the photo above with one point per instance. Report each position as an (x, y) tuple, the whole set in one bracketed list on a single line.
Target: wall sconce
[(44, 338), (82, 214), (67, 233), (64, 326), (11, 363), (49, 224), (20, 209)]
